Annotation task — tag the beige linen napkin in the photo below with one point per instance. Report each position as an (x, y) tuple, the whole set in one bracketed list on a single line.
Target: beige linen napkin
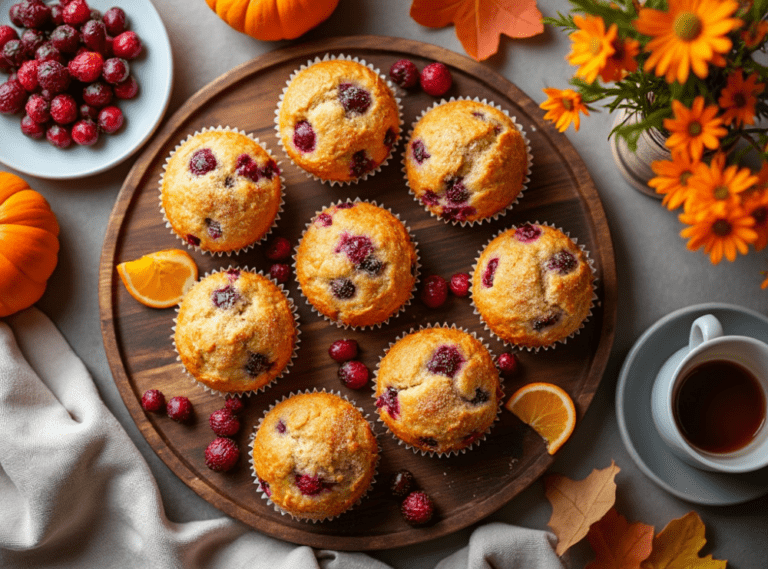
[(76, 492)]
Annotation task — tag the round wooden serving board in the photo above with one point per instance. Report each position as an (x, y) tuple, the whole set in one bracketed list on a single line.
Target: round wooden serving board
[(466, 487)]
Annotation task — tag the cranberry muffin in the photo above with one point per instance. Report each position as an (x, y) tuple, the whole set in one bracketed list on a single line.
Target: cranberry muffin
[(438, 390), (356, 264), (338, 120), (466, 161), (533, 286), (221, 191), (314, 455), (235, 331)]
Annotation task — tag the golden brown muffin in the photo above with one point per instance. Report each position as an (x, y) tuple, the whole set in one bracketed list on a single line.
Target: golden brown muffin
[(466, 161), (314, 455), (221, 191), (235, 331), (356, 264), (533, 286), (438, 389), (338, 120)]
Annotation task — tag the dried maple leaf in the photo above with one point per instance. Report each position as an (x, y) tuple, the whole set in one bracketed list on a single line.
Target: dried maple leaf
[(479, 23), (677, 546), (577, 505), (617, 544)]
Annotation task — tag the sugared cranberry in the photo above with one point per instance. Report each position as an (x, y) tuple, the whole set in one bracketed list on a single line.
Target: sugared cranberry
[(213, 227), (64, 109), (47, 52), (65, 38), (76, 12), (31, 128), (402, 483), (225, 297), (404, 73), (34, 14), (114, 20), (234, 404), (53, 76), (490, 272), (281, 272), (12, 97), (14, 13), (38, 109), (222, 454), (115, 70), (97, 94), (89, 112), (355, 247), (446, 361), (279, 248), (419, 151), (30, 41), (257, 364), (354, 374), (481, 396), (354, 99), (435, 291), (545, 321), (459, 284), (309, 485), (304, 136), (245, 166), (455, 191), (224, 423), (94, 35), (13, 53), (57, 16), (388, 400), (7, 33), (507, 363), (27, 75), (343, 289), (202, 162), (435, 79), (360, 164), (127, 45), (417, 508), (86, 66), (110, 120), (128, 89), (527, 233), (179, 409), (58, 136), (85, 132), (563, 262), (153, 401), (343, 350)]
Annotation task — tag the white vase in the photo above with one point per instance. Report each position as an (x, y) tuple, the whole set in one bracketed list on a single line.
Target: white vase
[(636, 166)]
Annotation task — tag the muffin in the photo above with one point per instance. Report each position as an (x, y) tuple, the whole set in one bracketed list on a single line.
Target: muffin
[(221, 191), (338, 120), (235, 331), (438, 390), (533, 286), (314, 455), (466, 161), (356, 264)]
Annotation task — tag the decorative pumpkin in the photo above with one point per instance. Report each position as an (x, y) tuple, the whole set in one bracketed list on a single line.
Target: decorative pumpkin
[(29, 244), (273, 19)]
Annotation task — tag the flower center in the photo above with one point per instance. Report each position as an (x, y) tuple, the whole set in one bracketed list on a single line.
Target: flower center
[(721, 228), (721, 192), (567, 104), (684, 177), (694, 128), (687, 26), (595, 46), (760, 215), (739, 100)]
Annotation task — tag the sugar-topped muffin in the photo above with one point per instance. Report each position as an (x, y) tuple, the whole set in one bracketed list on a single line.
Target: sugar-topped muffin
[(533, 286), (356, 264), (438, 389), (221, 191), (314, 455), (235, 331), (338, 120), (466, 161)]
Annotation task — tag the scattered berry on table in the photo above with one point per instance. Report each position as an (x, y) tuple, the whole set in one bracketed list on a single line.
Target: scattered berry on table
[(280, 272), (278, 249), (435, 79), (179, 409), (354, 374), (153, 401), (460, 284), (224, 423), (222, 454), (435, 291), (402, 483), (404, 73), (417, 508), (507, 363), (343, 350), (235, 404)]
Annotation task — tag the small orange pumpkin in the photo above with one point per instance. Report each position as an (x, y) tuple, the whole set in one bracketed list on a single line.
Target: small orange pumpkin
[(29, 244), (273, 19)]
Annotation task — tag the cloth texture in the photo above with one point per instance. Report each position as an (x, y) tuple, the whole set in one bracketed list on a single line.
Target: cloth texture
[(76, 492)]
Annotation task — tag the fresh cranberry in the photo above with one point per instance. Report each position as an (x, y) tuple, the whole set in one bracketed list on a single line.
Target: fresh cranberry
[(343, 289), (224, 423), (65, 38), (114, 20), (153, 401), (89, 112), (64, 109), (257, 364), (97, 94), (343, 350), (234, 404), (402, 483), (34, 14), (527, 233), (459, 284), (455, 191), (85, 132), (94, 35), (354, 374), (27, 75), (404, 73), (507, 363), (225, 297), (355, 100), (388, 400), (281, 272), (490, 272), (222, 454), (355, 247), (179, 408), (446, 361), (13, 53), (279, 248), (419, 151), (53, 76), (58, 136), (127, 45), (435, 79), (38, 109), (435, 291), (31, 128), (202, 162), (115, 70), (76, 12), (545, 321), (417, 508), (309, 485), (87, 66), (563, 262), (110, 120), (30, 41), (304, 136), (7, 33), (47, 52), (127, 89), (13, 96)]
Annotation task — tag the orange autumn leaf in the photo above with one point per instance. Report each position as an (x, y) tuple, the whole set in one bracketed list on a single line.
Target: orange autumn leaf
[(617, 544), (678, 546), (479, 23), (577, 505)]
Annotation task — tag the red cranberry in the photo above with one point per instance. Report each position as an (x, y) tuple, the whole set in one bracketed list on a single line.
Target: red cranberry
[(13, 53), (402, 483), (222, 454), (419, 151), (38, 108), (85, 132), (435, 291), (87, 66), (490, 272), (446, 361), (95, 15), (110, 119), (354, 374), (280, 272), (34, 14), (94, 35), (202, 162), (127, 45), (12, 97), (355, 100), (7, 33), (355, 247), (417, 508), (545, 321), (404, 73), (527, 233), (27, 75), (360, 164), (97, 94), (127, 89), (389, 401), (460, 284), (225, 297), (89, 112), (179, 408), (15, 15), (30, 41), (47, 52), (153, 401), (115, 70), (561, 262), (64, 109), (309, 485), (31, 128), (435, 79), (455, 190), (234, 404), (278, 249), (65, 38), (53, 76), (304, 136), (224, 423), (57, 16), (58, 136), (507, 363), (343, 350), (114, 20), (76, 12)]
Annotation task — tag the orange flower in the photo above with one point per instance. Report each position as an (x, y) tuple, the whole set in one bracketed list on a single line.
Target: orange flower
[(765, 282), (720, 235), (754, 35), (622, 61), (672, 178), (715, 188), (693, 129), (563, 107), (738, 99), (756, 205), (591, 47), (691, 34)]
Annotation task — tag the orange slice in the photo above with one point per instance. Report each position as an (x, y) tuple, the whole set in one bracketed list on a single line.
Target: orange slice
[(547, 409), (159, 279)]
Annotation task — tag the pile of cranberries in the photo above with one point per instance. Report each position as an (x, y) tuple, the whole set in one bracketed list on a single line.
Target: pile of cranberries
[(68, 67)]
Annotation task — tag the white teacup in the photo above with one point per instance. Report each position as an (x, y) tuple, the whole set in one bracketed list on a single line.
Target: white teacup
[(678, 419)]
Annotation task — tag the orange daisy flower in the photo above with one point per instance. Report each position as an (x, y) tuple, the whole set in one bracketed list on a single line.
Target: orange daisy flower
[(592, 45), (754, 35), (672, 178), (739, 97), (622, 61), (720, 235), (691, 34), (716, 188), (756, 205), (693, 129), (563, 107)]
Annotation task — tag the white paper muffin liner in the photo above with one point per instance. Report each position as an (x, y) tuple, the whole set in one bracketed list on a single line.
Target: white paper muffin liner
[(594, 299), (255, 476), (454, 451), (417, 268), (279, 209), (526, 178), (395, 93), (294, 311)]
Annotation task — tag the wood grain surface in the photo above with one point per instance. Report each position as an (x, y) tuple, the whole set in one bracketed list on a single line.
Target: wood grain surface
[(466, 487)]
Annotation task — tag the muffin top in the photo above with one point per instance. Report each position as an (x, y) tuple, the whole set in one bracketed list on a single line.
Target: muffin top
[(235, 331), (356, 264), (466, 161), (221, 191), (314, 455), (532, 286), (438, 389), (338, 120)]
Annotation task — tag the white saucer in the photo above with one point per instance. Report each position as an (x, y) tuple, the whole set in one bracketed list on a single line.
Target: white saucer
[(633, 408), (154, 72)]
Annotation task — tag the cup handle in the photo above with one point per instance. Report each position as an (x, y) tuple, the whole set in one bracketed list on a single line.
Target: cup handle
[(703, 329)]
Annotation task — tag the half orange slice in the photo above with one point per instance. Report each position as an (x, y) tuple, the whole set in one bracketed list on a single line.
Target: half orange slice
[(548, 409), (159, 279)]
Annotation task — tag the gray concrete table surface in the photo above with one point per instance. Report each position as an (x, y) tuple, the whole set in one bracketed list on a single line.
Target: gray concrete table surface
[(657, 274)]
